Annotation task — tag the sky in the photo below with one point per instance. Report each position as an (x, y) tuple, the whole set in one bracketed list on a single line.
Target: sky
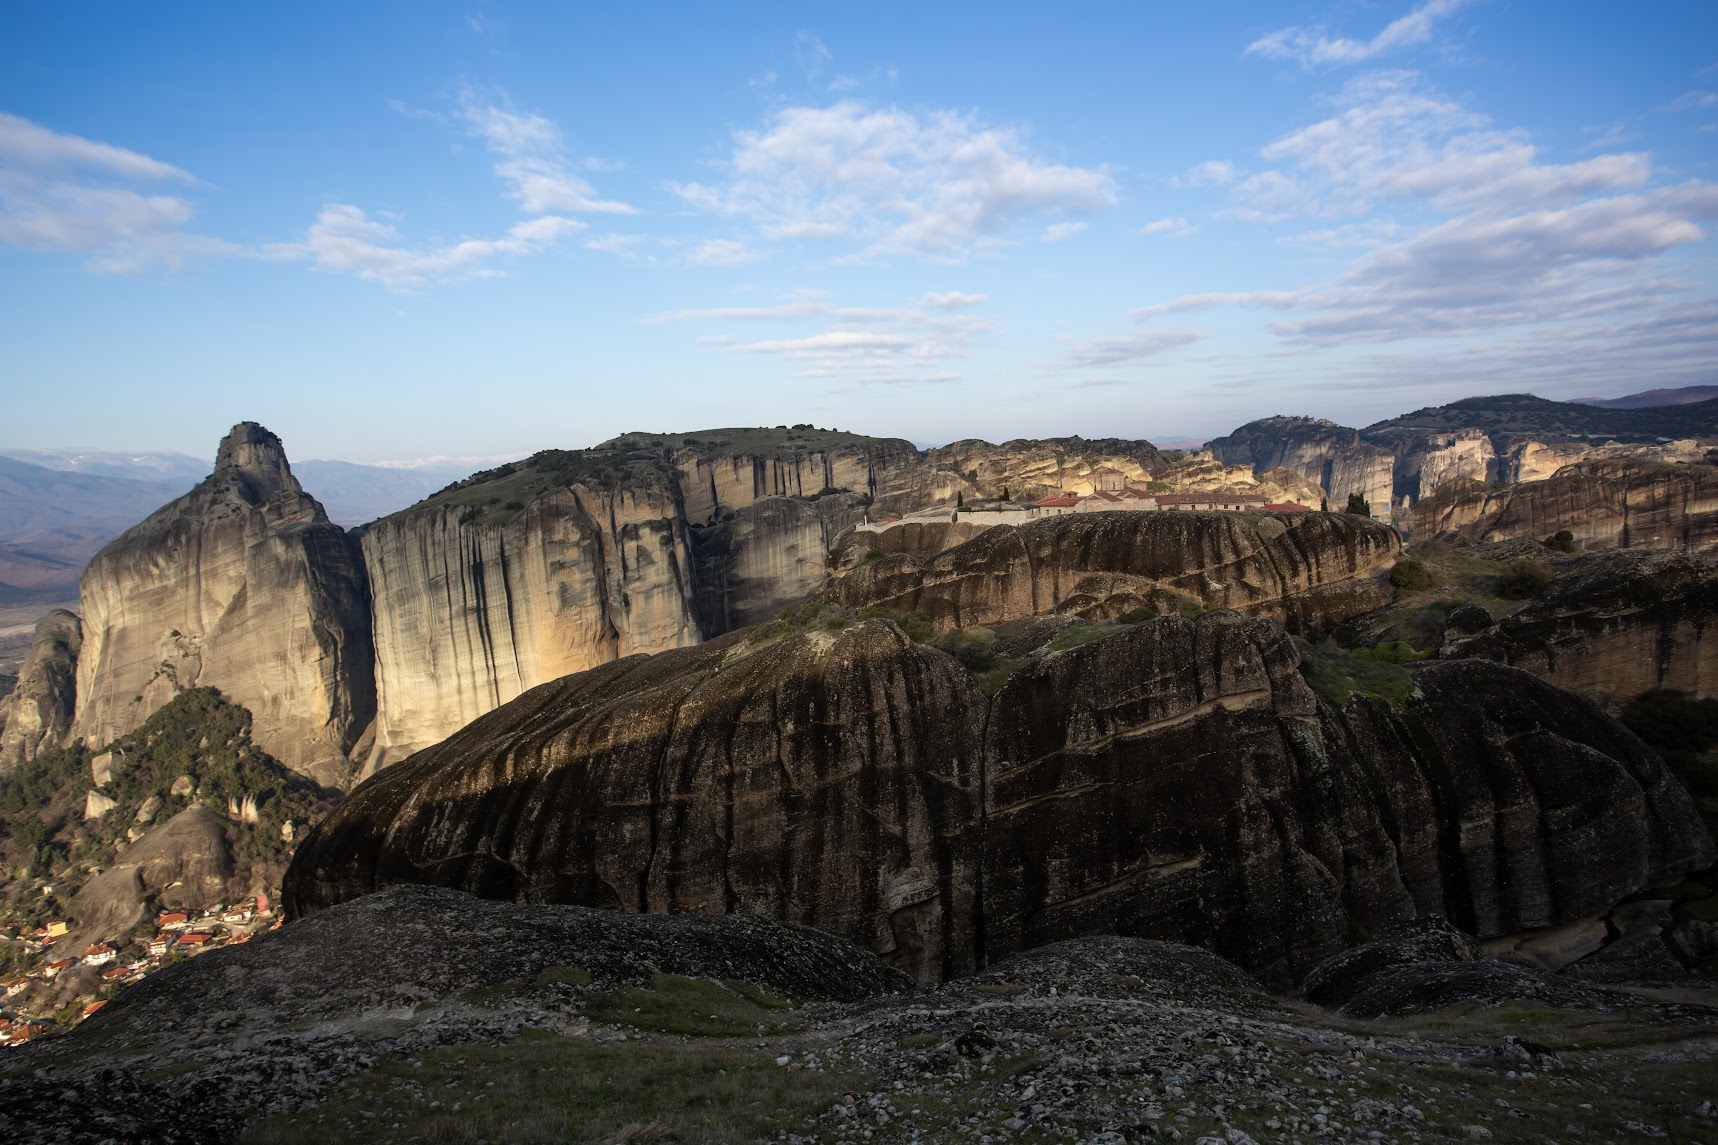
[(401, 229)]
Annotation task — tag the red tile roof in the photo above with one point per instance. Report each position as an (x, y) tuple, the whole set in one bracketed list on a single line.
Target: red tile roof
[(1057, 503)]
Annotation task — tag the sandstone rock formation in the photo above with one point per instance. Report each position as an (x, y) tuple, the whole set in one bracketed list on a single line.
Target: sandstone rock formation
[(571, 559), (768, 554), (37, 715), (1175, 780), (719, 779), (469, 614), (1614, 626), (1329, 455), (182, 863), (244, 585), (1605, 504), (1032, 469), (1310, 570)]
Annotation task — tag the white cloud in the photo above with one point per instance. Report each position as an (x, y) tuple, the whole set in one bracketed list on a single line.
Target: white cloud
[(1695, 101), (1173, 227), (533, 162), (1211, 173), (1395, 139), (811, 52), (723, 252), (613, 244), (62, 192), (935, 186), (1129, 349), (344, 238), (896, 345), (31, 147), (1311, 47), (1061, 232), (952, 300)]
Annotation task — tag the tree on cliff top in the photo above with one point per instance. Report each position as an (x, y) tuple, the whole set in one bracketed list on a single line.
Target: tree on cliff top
[(1358, 505)]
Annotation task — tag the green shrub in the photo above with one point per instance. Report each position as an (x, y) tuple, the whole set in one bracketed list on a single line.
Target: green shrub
[(1136, 615), (1563, 541), (1358, 505), (1412, 575), (1524, 579)]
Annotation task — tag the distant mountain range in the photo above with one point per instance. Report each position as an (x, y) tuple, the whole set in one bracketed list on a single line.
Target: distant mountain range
[(1678, 397), (58, 507)]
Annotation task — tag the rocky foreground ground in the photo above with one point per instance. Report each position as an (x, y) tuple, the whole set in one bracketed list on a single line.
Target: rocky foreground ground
[(420, 1014)]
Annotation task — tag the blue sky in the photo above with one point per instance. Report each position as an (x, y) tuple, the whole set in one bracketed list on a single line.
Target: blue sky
[(392, 230)]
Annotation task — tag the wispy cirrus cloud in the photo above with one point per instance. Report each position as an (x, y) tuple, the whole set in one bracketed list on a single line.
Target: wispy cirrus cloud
[(1172, 227), (1463, 234), (531, 162), (887, 181), (122, 210), (344, 238), (532, 159), (1312, 47), (912, 344), (723, 252)]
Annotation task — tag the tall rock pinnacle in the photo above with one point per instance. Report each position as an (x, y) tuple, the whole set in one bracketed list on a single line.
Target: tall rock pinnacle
[(245, 585)]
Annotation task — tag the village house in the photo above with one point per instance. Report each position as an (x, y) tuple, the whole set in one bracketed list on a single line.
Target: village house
[(196, 941), (56, 930), (237, 914), (116, 973), (1285, 507), (52, 970), (160, 944), (92, 1008), (99, 954), (170, 919), (16, 986)]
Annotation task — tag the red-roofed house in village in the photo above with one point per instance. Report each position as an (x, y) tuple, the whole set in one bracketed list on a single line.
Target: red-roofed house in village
[(99, 954), (161, 943), (195, 940)]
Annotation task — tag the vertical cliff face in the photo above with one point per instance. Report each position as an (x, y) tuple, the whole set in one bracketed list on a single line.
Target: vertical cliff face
[(766, 556), (709, 485), (469, 614), (243, 585), (37, 715), (1606, 504), (1329, 455)]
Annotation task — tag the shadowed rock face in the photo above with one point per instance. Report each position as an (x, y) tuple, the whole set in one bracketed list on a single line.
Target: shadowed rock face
[(1605, 504), (1177, 780), (37, 715), (244, 585), (1308, 570), (1614, 626), (829, 779)]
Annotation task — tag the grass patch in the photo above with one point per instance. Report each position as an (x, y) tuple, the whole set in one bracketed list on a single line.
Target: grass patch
[(694, 1007), (543, 1088), (1336, 673)]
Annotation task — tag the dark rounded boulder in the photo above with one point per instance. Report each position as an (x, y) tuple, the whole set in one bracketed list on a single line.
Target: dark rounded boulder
[(1336, 979)]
